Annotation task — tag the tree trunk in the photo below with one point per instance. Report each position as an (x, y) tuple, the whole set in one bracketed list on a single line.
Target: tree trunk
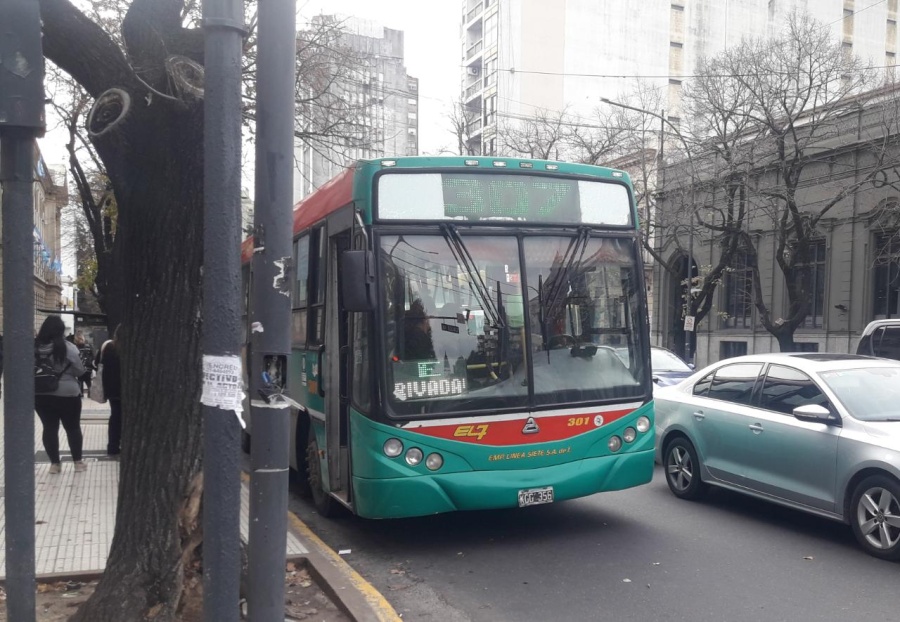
[(785, 337), (160, 234)]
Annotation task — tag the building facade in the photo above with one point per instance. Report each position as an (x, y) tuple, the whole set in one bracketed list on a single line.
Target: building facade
[(50, 195), (382, 98), (853, 268), (520, 56)]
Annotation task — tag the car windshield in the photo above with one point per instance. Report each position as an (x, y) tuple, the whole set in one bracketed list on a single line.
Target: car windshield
[(663, 360), (869, 394), (455, 327)]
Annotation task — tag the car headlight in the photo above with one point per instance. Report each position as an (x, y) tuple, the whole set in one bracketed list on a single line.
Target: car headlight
[(414, 456), (615, 443), (629, 434), (434, 462), (643, 424), (393, 447)]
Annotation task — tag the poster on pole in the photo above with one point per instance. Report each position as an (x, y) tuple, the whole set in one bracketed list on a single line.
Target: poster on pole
[(689, 323)]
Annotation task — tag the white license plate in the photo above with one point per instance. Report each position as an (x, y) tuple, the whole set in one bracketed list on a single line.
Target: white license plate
[(535, 496)]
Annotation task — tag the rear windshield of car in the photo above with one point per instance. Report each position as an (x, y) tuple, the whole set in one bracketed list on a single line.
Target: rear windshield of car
[(663, 360)]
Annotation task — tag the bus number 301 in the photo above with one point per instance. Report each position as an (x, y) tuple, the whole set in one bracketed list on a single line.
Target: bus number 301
[(578, 421)]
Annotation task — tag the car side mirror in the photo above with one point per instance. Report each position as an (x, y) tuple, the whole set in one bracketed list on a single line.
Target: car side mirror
[(358, 280), (813, 413), (691, 366)]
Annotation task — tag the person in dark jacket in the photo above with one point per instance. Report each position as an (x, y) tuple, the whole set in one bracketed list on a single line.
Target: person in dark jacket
[(111, 377), (64, 404), (87, 358), (418, 343)]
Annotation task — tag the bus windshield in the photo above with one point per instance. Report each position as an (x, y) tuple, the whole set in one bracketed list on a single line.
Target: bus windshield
[(457, 335)]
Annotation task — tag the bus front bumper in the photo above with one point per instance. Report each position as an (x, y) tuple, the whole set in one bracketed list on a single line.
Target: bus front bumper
[(484, 490)]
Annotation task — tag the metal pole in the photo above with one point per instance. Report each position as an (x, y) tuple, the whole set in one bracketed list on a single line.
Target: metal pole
[(271, 308), (21, 120), (224, 30), (17, 166)]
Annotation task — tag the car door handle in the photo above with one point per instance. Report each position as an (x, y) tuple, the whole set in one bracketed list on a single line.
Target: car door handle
[(699, 416), (756, 427)]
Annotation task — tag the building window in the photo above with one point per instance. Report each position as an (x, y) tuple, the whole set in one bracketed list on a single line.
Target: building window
[(730, 349), (886, 280), (815, 284), (806, 347), (738, 294)]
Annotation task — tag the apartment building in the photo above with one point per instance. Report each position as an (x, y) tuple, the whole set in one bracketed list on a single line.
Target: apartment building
[(378, 114), (519, 56)]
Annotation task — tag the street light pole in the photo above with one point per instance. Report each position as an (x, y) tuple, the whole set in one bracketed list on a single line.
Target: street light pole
[(270, 315), (224, 31), (21, 121), (690, 258)]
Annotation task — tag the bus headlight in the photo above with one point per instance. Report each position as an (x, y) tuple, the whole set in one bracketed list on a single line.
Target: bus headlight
[(615, 443), (414, 456), (393, 447), (629, 434), (643, 424), (434, 462)]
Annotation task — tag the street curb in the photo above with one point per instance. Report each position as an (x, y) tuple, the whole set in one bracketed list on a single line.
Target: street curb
[(356, 596), (347, 588)]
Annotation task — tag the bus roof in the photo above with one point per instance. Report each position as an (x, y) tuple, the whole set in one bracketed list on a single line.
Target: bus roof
[(339, 191)]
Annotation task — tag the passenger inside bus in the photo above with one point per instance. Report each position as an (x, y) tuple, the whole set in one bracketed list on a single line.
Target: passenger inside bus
[(418, 344)]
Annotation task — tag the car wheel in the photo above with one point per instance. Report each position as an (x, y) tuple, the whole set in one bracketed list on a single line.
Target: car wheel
[(683, 470), (324, 502), (875, 516)]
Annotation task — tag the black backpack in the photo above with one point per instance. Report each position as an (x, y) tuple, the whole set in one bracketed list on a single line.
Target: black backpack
[(46, 379)]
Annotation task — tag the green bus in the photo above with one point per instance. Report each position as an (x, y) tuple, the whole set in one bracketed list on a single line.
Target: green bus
[(467, 333)]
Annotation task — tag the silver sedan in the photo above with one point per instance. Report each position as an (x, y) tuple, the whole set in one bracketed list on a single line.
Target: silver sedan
[(816, 432)]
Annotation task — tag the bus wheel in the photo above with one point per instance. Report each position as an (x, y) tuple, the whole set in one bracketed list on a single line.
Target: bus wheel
[(325, 505), (300, 477)]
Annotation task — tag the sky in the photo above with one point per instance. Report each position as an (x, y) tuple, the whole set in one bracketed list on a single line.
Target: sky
[(432, 41)]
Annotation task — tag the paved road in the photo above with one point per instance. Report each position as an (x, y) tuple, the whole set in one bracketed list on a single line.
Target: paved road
[(634, 555)]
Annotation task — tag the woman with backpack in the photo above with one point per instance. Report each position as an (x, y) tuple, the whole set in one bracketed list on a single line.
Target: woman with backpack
[(57, 399)]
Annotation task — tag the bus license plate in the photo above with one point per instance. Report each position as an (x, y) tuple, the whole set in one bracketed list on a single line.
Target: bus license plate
[(535, 496)]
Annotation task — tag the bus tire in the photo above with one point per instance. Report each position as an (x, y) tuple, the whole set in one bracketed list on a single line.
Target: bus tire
[(301, 479), (325, 504)]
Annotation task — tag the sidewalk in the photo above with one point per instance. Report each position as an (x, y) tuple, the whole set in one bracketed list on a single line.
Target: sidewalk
[(75, 518)]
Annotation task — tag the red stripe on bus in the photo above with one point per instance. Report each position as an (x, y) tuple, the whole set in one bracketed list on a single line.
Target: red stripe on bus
[(518, 431), (329, 197)]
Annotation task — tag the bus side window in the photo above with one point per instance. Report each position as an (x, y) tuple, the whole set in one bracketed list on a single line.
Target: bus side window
[(300, 293), (317, 255)]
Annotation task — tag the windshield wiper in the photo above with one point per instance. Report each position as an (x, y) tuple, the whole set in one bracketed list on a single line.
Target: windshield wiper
[(577, 246), (462, 255)]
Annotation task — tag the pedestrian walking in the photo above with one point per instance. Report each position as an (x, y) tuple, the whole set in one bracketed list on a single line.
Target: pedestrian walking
[(62, 404), (87, 359), (108, 362)]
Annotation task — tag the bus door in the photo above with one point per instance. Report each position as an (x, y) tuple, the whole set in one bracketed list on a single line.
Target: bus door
[(336, 382)]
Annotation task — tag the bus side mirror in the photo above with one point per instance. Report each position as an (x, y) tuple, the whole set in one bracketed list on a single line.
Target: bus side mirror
[(358, 280)]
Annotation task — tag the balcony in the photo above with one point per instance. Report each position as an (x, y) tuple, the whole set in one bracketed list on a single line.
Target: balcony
[(472, 90), (474, 126), (475, 49), (473, 13)]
